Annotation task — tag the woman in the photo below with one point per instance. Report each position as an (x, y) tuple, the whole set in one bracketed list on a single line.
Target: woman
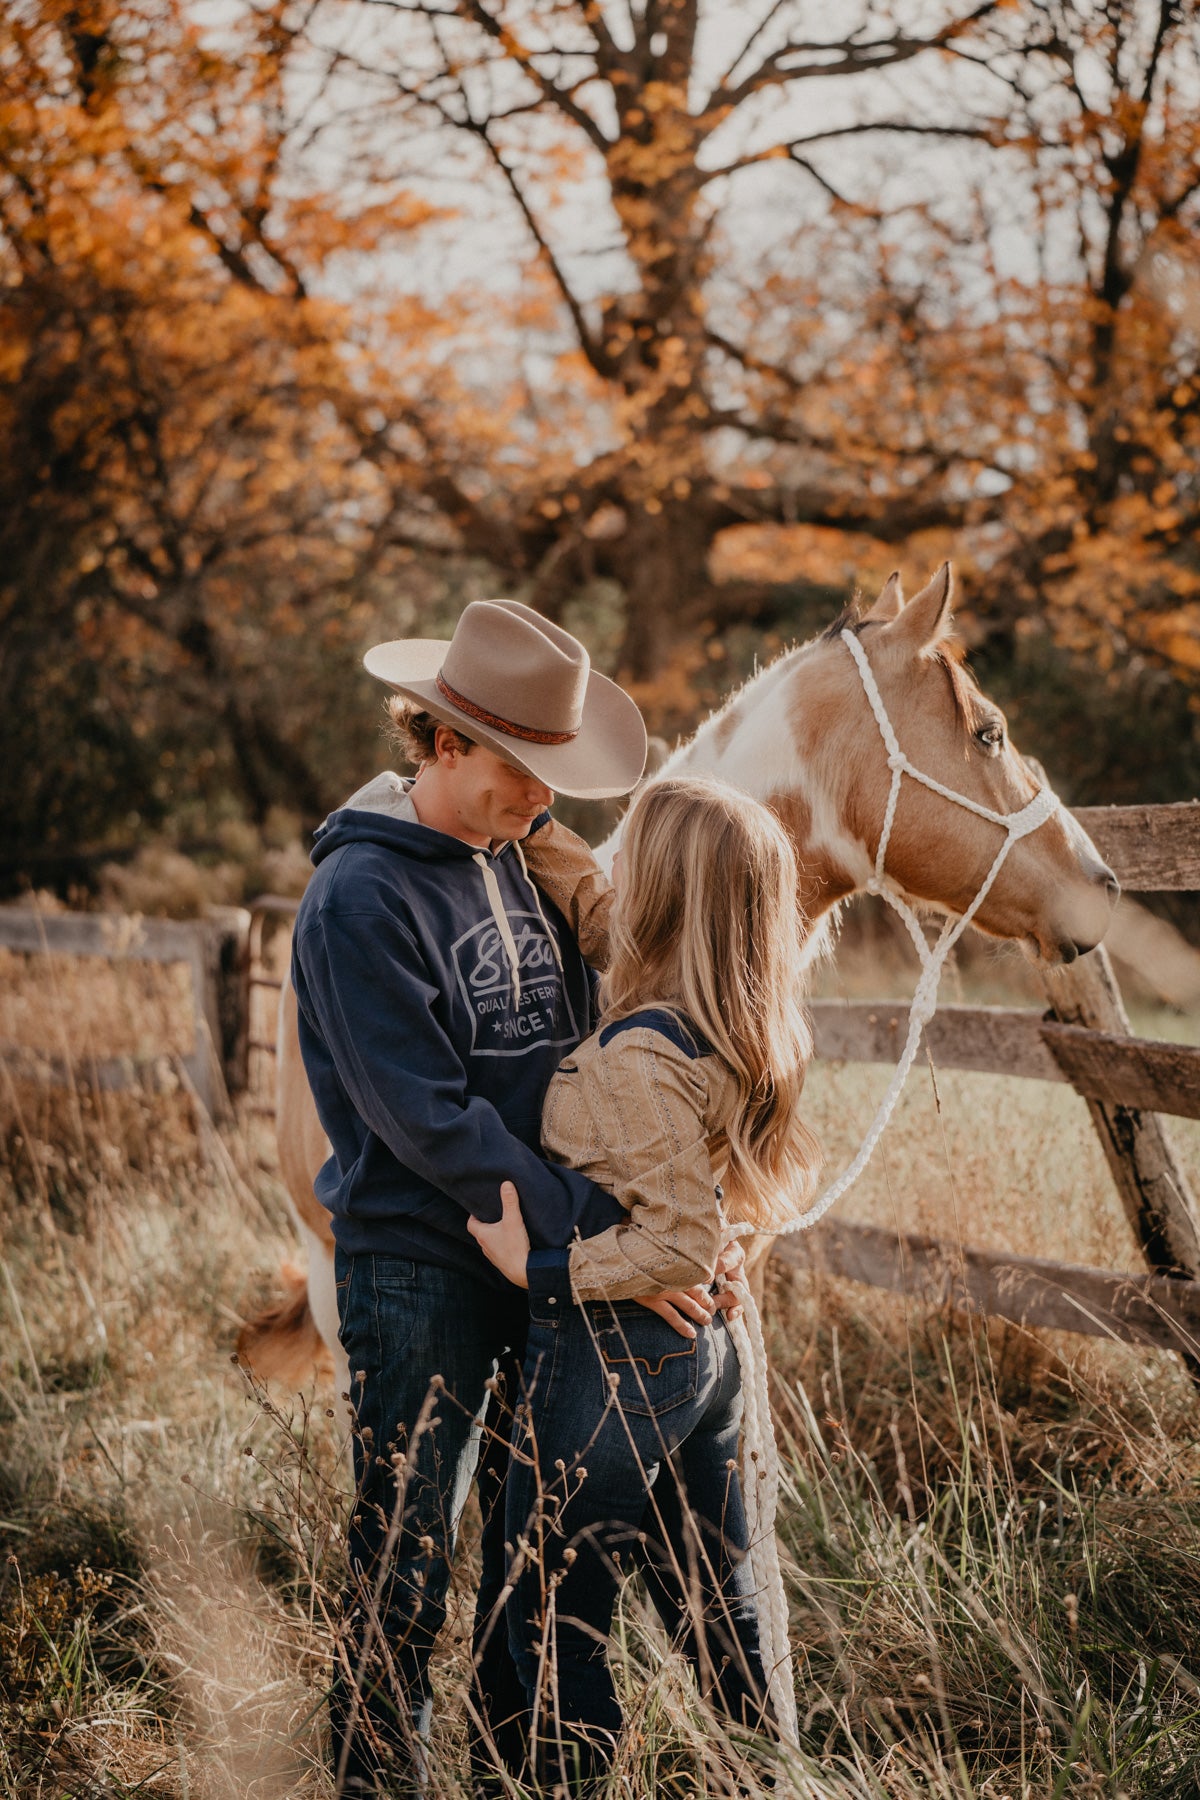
[(626, 1448)]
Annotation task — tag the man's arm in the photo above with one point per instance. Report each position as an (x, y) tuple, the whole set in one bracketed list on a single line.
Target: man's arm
[(375, 1007)]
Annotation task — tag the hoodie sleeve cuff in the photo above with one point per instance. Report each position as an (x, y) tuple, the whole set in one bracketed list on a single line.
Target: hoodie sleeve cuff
[(549, 1274)]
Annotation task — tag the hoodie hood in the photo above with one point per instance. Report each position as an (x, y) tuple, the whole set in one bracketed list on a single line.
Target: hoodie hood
[(387, 793), (382, 812)]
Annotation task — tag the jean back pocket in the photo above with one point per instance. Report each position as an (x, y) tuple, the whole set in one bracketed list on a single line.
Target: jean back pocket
[(655, 1368)]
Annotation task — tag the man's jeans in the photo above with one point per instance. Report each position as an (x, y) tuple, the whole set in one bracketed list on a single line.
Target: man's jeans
[(625, 1456), (423, 1344)]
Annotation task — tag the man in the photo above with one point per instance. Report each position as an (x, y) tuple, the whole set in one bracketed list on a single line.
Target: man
[(437, 994)]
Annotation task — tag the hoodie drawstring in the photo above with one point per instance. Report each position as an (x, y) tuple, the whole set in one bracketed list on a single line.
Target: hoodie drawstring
[(496, 902), (537, 901)]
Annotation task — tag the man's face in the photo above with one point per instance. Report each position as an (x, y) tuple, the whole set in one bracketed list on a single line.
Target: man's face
[(495, 802)]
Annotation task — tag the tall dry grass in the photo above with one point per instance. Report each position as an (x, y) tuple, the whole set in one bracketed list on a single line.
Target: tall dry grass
[(990, 1537)]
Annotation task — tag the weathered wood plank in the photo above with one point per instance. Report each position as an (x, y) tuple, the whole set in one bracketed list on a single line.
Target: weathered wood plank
[(274, 903), (215, 952), (1133, 1072), (1149, 848), (1153, 1187), (110, 935), (996, 1040), (110, 1074), (1144, 1309)]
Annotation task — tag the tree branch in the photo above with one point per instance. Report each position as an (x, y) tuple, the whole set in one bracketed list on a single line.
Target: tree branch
[(849, 58), (757, 365), (476, 13), (587, 343), (776, 152)]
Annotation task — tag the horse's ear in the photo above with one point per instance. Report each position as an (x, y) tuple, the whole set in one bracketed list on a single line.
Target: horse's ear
[(890, 602), (926, 618)]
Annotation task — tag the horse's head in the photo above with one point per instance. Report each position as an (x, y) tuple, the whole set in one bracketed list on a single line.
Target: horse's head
[(1053, 894)]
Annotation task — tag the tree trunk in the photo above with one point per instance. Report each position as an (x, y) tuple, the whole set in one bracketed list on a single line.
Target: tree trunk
[(661, 563)]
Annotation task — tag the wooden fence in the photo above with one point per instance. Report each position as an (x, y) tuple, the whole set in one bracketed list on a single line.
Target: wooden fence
[(1084, 1040), (215, 953)]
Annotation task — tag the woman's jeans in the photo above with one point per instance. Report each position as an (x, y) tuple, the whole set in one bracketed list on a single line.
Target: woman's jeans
[(625, 1455), (423, 1344)]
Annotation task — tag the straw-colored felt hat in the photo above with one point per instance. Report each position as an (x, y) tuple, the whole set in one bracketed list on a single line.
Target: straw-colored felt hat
[(511, 680)]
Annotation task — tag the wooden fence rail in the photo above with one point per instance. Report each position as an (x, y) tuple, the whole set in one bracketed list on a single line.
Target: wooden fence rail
[(1127, 1082), (1150, 849), (1160, 1310), (1000, 1040)]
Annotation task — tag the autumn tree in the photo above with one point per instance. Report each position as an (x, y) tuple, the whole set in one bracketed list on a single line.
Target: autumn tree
[(303, 304), (1106, 509), (968, 304), (644, 447), (188, 503), (1038, 331)]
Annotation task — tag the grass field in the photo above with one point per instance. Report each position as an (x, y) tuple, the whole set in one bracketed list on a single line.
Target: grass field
[(991, 1536)]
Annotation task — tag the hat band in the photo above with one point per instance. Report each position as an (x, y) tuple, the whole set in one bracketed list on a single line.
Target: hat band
[(526, 733)]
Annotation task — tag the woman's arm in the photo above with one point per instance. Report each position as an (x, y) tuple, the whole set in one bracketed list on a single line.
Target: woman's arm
[(566, 870), (648, 1101)]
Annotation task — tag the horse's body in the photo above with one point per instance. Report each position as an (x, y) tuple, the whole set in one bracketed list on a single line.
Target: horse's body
[(801, 737)]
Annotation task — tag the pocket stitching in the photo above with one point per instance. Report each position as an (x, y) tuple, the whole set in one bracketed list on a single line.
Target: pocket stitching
[(394, 1278), (666, 1357), (634, 1397)]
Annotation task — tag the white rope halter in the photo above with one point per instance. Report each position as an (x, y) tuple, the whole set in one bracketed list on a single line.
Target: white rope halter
[(760, 1465), (1015, 826)]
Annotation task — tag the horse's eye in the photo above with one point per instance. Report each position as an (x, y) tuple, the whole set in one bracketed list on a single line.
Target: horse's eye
[(991, 737)]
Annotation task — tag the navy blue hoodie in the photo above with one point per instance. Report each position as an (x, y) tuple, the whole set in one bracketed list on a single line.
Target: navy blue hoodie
[(427, 1060)]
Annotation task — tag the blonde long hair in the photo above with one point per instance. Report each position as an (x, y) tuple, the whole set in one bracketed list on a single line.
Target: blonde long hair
[(709, 924)]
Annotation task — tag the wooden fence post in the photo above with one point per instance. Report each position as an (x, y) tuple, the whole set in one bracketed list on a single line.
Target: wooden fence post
[(227, 945), (1154, 1190)]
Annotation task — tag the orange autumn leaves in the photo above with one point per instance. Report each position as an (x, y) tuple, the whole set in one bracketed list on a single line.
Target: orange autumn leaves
[(260, 386)]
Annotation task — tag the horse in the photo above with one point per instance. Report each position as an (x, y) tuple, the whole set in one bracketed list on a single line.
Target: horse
[(801, 737)]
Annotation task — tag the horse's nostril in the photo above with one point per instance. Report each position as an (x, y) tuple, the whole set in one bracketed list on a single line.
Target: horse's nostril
[(1112, 886)]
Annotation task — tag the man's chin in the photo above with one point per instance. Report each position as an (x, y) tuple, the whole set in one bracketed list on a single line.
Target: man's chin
[(512, 831)]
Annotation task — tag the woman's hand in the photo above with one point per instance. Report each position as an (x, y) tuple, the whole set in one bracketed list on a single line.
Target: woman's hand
[(677, 1306), (506, 1243), (731, 1267)]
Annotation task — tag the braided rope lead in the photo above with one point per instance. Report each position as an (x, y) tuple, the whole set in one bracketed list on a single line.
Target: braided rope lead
[(760, 1493), (760, 1461)]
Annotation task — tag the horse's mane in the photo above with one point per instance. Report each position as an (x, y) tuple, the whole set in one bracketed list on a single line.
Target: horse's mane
[(849, 619), (950, 654)]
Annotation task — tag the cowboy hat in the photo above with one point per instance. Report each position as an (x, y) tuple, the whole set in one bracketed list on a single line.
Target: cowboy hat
[(511, 680)]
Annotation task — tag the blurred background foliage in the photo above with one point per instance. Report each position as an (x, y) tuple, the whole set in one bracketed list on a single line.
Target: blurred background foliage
[(680, 321)]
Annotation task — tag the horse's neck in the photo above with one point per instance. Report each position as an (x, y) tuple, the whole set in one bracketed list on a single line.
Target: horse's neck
[(755, 744)]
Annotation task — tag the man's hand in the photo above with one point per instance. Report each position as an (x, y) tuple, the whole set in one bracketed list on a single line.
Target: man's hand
[(506, 1243)]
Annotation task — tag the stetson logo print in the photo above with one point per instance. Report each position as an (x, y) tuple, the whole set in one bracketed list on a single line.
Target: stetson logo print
[(481, 965)]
